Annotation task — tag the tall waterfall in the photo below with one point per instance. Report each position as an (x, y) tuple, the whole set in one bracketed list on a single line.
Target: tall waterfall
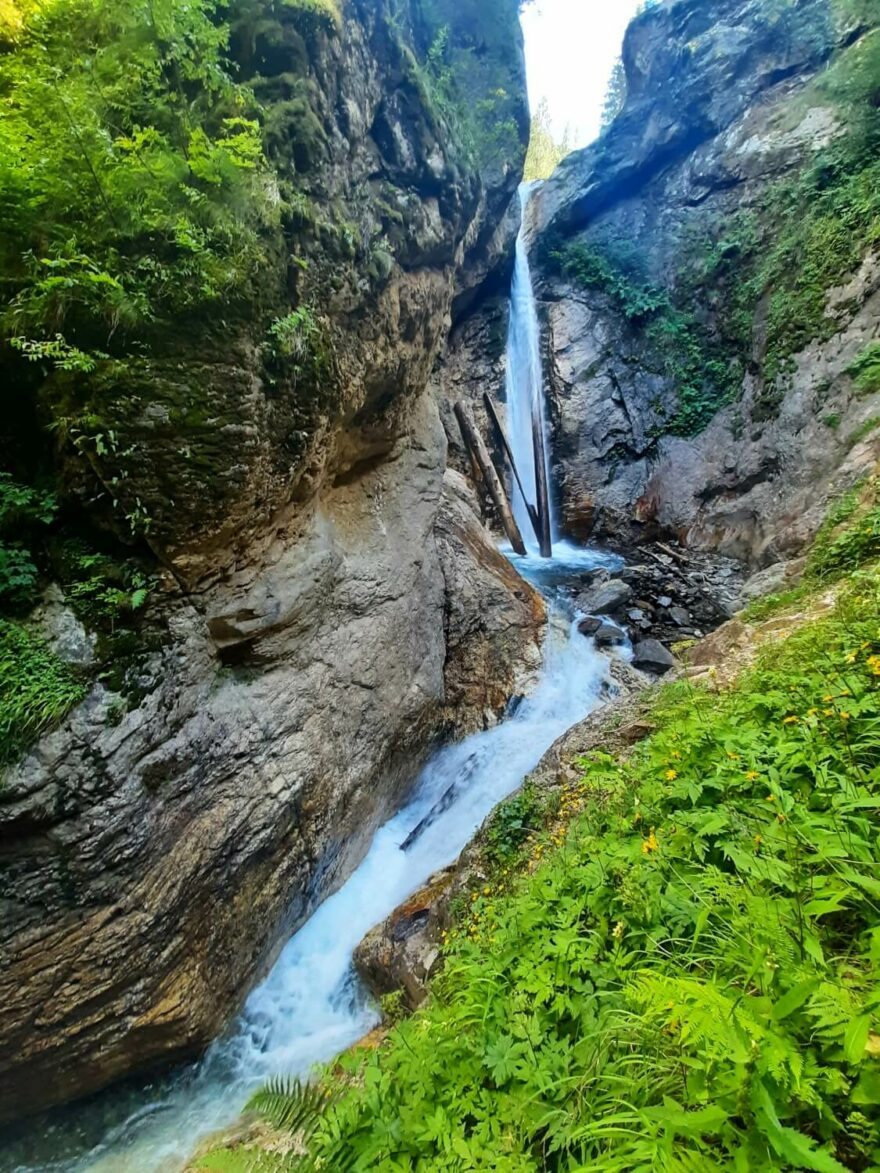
[(525, 389)]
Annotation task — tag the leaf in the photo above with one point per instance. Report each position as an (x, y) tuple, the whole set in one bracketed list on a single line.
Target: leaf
[(855, 1038), (794, 999)]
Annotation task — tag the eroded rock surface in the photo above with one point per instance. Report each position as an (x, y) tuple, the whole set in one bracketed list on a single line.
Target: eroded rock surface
[(306, 652)]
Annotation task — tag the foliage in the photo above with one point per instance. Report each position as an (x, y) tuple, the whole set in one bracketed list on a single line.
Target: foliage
[(24, 511), (545, 153), (466, 73), (850, 534), (703, 375), (864, 429), (36, 689), (298, 345), (686, 974), (615, 95), (131, 173), (393, 1006), (290, 1104), (865, 369), (512, 822)]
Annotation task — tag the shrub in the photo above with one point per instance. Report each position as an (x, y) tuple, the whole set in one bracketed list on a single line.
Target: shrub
[(865, 369)]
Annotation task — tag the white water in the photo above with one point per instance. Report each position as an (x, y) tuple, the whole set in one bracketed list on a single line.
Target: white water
[(311, 1006), (525, 385)]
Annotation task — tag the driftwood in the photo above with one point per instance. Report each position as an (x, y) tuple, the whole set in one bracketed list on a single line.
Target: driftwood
[(545, 541), (474, 443), (504, 445)]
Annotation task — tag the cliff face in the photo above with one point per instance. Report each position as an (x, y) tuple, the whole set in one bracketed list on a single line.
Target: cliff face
[(303, 650), (711, 280), (708, 281)]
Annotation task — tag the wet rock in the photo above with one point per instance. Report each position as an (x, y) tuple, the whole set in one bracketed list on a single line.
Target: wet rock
[(610, 635), (680, 616), (590, 625), (606, 598), (61, 629), (651, 655)]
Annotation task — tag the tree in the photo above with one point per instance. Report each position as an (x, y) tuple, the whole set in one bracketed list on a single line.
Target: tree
[(545, 153), (615, 95)]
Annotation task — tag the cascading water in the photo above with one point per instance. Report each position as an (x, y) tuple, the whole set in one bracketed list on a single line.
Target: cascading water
[(312, 1006), (525, 390)]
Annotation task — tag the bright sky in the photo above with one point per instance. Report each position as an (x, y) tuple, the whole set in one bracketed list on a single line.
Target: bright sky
[(571, 46)]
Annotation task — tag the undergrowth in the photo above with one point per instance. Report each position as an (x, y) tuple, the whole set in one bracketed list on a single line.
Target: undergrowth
[(675, 967), (36, 689)]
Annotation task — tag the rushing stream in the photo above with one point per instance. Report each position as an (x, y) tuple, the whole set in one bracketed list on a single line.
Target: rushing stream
[(311, 1005)]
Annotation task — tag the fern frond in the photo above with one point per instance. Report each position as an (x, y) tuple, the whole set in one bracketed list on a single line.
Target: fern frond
[(290, 1104)]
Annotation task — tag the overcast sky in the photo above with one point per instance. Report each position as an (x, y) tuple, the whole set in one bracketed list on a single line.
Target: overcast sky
[(571, 46)]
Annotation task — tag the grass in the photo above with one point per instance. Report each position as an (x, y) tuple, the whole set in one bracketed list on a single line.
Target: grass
[(36, 689)]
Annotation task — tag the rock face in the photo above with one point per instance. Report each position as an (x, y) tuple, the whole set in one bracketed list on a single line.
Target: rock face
[(683, 402), (328, 611), (726, 102)]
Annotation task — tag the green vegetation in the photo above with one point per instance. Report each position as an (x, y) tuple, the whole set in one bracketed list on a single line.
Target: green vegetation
[(674, 962), (36, 689), (865, 369), (131, 170), (465, 71), (24, 511), (704, 375), (545, 153), (772, 265)]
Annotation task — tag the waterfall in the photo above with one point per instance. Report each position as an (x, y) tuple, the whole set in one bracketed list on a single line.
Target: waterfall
[(311, 1006), (525, 389)]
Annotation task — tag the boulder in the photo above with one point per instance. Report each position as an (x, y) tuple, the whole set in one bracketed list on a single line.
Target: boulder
[(606, 598), (650, 655)]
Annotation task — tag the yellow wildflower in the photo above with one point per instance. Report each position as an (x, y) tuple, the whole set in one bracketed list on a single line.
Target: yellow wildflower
[(850, 658), (671, 775), (780, 818), (752, 775), (650, 844), (618, 930), (758, 841), (675, 754), (771, 798), (844, 716), (790, 720)]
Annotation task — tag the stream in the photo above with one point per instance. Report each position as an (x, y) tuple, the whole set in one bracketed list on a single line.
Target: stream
[(311, 1005)]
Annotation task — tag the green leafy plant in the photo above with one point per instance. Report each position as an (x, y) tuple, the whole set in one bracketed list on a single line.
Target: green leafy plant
[(36, 689), (684, 973), (865, 369)]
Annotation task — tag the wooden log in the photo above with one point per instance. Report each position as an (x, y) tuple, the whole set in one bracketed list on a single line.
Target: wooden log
[(474, 443), (504, 444), (543, 498)]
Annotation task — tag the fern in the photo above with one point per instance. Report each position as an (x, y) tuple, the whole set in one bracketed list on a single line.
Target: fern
[(290, 1104)]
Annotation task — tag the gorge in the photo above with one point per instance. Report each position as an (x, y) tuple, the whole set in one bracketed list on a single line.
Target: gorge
[(268, 670)]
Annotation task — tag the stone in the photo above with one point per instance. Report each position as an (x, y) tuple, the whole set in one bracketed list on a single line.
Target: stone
[(590, 625), (62, 630), (610, 635), (606, 598), (679, 616), (664, 601), (651, 655)]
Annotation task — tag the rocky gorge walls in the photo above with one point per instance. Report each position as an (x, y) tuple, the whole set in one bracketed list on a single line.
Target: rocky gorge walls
[(708, 281), (320, 609)]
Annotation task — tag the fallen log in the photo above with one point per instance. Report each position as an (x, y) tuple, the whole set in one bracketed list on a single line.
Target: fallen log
[(474, 443), (504, 445)]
